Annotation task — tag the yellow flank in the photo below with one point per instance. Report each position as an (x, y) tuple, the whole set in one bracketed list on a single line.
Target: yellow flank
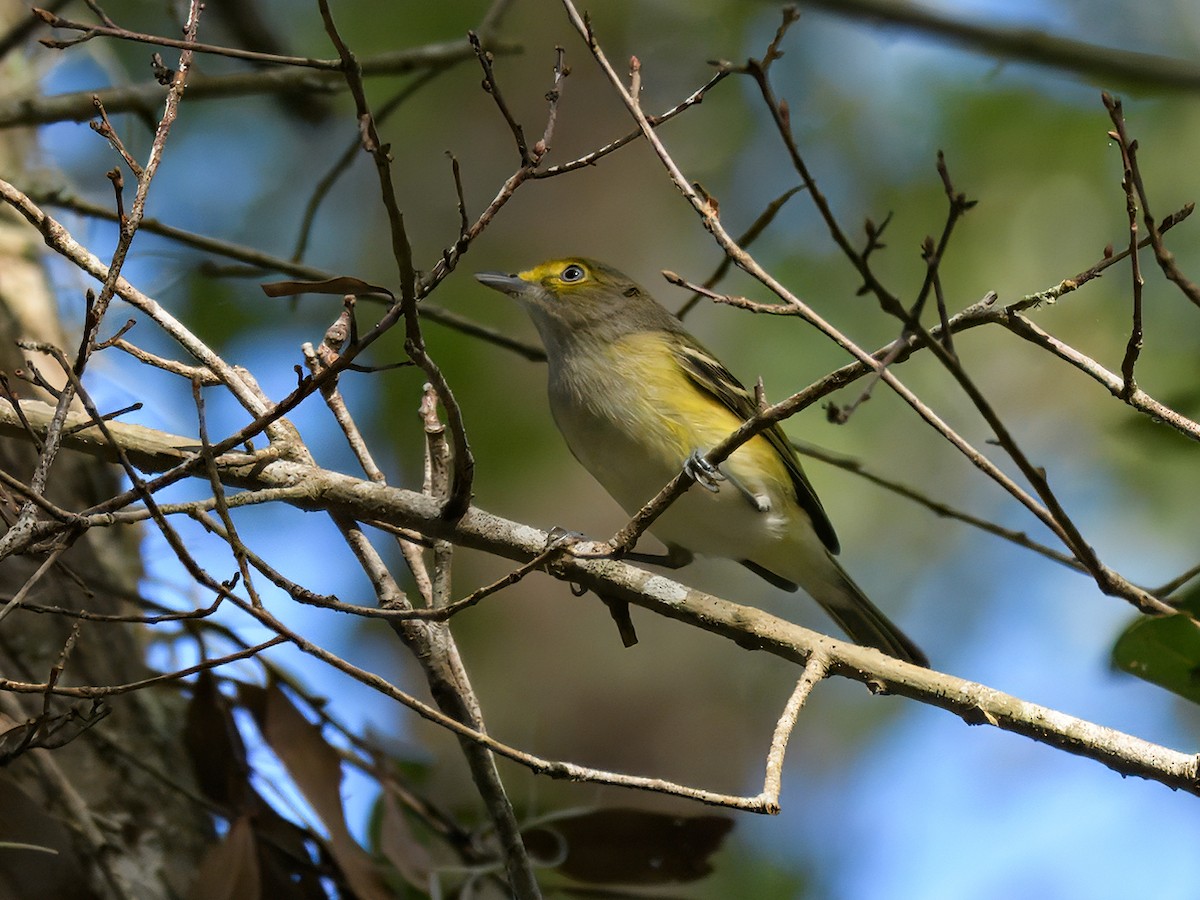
[(678, 417)]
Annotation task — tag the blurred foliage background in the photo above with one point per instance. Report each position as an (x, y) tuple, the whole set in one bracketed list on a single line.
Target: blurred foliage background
[(881, 797)]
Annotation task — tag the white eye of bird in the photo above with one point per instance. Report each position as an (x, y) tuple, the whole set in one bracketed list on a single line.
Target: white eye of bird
[(573, 273)]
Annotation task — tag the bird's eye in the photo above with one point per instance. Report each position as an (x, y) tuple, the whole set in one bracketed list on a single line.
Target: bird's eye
[(573, 273)]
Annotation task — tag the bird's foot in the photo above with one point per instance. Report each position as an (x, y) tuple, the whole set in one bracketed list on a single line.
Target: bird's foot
[(577, 544), (559, 537), (703, 472)]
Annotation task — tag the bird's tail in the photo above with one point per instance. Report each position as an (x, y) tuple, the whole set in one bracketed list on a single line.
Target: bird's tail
[(856, 615), (865, 624)]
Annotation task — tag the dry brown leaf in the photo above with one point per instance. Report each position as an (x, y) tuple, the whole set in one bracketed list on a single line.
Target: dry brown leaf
[(216, 748), (630, 846), (317, 770), (400, 846), (229, 870)]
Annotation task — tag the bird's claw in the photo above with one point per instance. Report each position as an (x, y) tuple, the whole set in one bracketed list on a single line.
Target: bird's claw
[(703, 472), (577, 544), (559, 538)]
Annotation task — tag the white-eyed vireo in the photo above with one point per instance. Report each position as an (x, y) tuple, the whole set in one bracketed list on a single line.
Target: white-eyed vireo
[(636, 398)]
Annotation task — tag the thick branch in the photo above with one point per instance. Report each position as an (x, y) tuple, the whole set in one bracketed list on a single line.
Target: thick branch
[(312, 488)]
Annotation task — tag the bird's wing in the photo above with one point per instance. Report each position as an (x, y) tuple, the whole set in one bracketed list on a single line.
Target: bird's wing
[(711, 377)]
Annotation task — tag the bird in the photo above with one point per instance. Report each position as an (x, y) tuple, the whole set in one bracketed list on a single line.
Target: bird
[(638, 399)]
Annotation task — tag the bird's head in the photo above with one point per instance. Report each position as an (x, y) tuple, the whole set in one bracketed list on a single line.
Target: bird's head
[(568, 298)]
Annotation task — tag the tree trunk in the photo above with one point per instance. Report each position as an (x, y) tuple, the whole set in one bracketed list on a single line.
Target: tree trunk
[(113, 800)]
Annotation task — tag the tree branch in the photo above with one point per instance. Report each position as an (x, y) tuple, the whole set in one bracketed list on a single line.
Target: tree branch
[(1102, 64), (312, 488), (145, 98)]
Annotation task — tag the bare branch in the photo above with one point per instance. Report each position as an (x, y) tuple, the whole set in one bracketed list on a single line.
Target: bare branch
[(146, 98), (1134, 185), (114, 31), (309, 487), (1104, 64)]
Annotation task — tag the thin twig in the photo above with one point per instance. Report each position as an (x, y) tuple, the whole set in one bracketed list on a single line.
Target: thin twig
[(326, 182), (336, 335), (105, 129), (1133, 347), (32, 580), (219, 498), (414, 343), (192, 373), (22, 27), (270, 263), (435, 647), (590, 159), (1177, 582), (1138, 399), (17, 535), (815, 669), (745, 239), (492, 88), (91, 692), (943, 510), (530, 161), (113, 31)]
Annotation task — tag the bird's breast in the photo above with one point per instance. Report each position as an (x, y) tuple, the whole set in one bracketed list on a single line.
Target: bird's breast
[(632, 417)]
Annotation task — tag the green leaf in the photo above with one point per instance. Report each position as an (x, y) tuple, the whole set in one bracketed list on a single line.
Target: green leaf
[(1165, 651)]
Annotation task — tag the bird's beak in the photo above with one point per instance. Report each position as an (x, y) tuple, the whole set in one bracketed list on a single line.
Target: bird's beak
[(512, 285)]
